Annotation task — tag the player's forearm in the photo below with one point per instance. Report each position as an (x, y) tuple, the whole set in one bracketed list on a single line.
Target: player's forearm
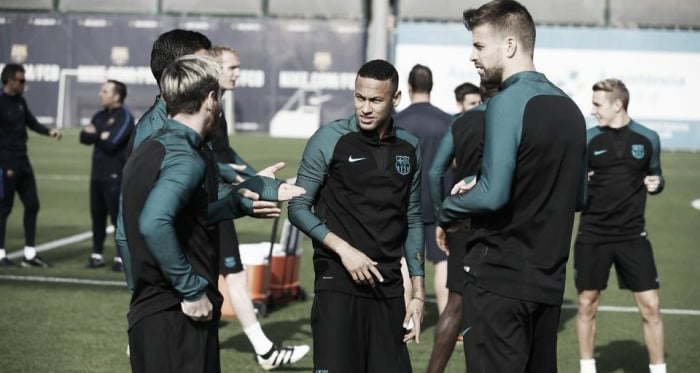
[(418, 285)]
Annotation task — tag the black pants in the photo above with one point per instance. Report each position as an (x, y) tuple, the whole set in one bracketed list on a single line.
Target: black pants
[(19, 179), (354, 334), (104, 200), (170, 342)]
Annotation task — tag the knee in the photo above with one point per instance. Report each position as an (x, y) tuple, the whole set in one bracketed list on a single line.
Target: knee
[(31, 208), (650, 311), (587, 306)]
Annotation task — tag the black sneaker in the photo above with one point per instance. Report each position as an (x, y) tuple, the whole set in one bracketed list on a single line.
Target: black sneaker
[(37, 261), (7, 263), (117, 266), (95, 263), (282, 356)]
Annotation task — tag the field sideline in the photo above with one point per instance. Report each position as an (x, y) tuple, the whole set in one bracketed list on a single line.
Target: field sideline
[(61, 325)]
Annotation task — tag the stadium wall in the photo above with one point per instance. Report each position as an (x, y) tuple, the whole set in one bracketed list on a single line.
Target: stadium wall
[(658, 66), (295, 74)]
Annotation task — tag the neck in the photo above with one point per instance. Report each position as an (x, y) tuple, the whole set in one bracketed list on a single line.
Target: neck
[(420, 97), (620, 121), (195, 121), (517, 66)]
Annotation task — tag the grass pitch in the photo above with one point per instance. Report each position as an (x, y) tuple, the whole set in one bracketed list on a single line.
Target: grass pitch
[(70, 327)]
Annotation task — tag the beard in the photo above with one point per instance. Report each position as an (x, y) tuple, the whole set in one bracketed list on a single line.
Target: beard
[(492, 76)]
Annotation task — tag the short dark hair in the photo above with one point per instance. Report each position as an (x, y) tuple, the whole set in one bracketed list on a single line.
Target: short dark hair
[(172, 45), (380, 70), (465, 89), (9, 71), (420, 79), (506, 16), (119, 88)]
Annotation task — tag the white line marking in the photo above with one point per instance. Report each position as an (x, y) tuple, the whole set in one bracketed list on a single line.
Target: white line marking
[(666, 311), (60, 242), (63, 280), (59, 177), (696, 204)]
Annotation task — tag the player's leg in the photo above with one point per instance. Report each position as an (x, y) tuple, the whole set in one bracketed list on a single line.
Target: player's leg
[(112, 192), (338, 326), (439, 260), (543, 341), (449, 324), (386, 351), (7, 198), (636, 270), (98, 216), (28, 194)]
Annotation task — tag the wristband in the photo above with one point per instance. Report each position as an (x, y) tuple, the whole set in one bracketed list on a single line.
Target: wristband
[(420, 299)]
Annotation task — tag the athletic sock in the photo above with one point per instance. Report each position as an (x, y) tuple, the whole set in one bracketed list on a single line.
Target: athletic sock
[(657, 368), (29, 252), (96, 256), (256, 336), (2, 253), (587, 365), (117, 259)]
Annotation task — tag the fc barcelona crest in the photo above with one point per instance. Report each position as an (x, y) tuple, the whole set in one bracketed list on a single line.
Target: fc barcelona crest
[(403, 164), (638, 151)]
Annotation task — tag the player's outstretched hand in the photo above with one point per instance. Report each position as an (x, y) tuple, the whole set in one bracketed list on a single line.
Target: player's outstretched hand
[(55, 133), (286, 191), (413, 320), (199, 310), (261, 209)]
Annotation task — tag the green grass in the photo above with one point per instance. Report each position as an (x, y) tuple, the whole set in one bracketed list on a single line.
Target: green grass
[(53, 327)]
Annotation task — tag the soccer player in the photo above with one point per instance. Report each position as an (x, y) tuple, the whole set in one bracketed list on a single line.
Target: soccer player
[(175, 307), (532, 179), (362, 209), (108, 132), (462, 146), (16, 173), (467, 96), (429, 124), (624, 165), (268, 354)]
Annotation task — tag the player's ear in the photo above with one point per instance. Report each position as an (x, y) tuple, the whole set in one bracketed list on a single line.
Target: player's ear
[(396, 100), (510, 46)]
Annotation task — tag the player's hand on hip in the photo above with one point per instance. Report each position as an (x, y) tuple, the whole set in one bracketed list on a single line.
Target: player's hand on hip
[(199, 310), (463, 186)]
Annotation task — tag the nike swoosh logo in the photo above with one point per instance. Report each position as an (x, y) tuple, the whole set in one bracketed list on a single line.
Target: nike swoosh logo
[(599, 152), (351, 159), (465, 331)]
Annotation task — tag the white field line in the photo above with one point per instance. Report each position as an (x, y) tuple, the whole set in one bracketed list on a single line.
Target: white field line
[(62, 177), (60, 242), (110, 229)]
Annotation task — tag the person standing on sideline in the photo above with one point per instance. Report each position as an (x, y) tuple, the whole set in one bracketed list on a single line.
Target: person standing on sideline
[(362, 211), (468, 96), (429, 124), (175, 307), (624, 165), (16, 173), (108, 132), (530, 183), (462, 146), (268, 354)]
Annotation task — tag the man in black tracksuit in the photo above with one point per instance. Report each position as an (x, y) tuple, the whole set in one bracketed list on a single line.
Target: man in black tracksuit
[(16, 173), (108, 132), (532, 179), (167, 185), (362, 209), (624, 165)]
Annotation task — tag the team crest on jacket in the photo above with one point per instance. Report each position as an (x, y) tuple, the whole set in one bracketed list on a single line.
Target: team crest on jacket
[(638, 151), (403, 164)]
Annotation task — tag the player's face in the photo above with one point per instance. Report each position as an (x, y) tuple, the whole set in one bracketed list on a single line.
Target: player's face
[(108, 96), (17, 83), (487, 53), (230, 70), (469, 101), (373, 103), (604, 109)]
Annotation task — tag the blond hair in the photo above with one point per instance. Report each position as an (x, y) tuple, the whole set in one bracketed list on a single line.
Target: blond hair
[(218, 51), (616, 88), (187, 82)]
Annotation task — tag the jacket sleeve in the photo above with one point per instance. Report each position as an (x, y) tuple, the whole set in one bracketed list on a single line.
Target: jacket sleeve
[(655, 163), (179, 177), (414, 247), (119, 133), (502, 132), (441, 162)]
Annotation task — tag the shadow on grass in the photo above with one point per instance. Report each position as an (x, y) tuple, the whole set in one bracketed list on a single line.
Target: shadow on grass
[(626, 356), (278, 331)]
